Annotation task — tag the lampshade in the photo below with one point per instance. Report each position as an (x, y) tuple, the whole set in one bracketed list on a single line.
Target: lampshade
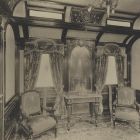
[(111, 75)]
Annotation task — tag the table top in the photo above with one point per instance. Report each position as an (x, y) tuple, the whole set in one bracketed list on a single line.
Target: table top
[(88, 95), (1, 96)]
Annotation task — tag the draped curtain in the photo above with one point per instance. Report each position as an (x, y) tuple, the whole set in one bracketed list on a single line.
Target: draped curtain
[(120, 69), (31, 69), (56, 61), (101, 70)]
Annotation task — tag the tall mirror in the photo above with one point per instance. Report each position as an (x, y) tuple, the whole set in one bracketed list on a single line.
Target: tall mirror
[(80, 68)]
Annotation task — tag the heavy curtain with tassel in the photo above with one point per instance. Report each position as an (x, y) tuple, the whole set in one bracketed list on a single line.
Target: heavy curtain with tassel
[(101, 70), (56, 61), (31, 69), (120, 69)]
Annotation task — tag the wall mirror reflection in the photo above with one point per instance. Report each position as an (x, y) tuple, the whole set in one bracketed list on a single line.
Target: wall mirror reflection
[(80, 69)]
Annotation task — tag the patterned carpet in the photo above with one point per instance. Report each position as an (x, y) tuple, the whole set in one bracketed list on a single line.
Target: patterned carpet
[(82, 130)]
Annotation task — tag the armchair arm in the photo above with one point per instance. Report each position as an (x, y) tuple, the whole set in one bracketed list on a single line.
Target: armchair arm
[(49, 109), (114, 103), (137, 106), (52, 112), (23, 115), (24, 124)]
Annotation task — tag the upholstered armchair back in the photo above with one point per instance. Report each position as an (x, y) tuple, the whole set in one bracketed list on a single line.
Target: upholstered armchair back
[(126, 96), (30, 103)]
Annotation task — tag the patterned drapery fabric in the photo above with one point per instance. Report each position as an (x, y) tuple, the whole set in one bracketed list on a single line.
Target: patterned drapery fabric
[(120, 69), (31, 69), (101, 70), (56, 61)]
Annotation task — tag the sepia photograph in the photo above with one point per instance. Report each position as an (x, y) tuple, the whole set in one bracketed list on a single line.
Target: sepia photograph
[(69, 69)]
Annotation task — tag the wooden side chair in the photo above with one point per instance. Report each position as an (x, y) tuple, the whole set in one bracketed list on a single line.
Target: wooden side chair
[(34, 117), (125, 107)]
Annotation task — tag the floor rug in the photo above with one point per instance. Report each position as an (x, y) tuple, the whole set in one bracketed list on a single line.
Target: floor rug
[(86, 131)]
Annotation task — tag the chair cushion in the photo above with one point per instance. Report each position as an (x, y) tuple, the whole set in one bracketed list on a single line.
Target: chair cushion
[(128, 114), (41, 124)]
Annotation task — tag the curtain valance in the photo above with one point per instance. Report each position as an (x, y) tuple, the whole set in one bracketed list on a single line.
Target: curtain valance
[(44, 46), (110, 49)]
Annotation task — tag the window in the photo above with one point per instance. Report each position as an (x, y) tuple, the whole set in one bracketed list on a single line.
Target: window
[(45, 14), (118, 23), (45, 78)]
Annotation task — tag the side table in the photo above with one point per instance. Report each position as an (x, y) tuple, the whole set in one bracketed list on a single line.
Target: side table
[(92, 98)]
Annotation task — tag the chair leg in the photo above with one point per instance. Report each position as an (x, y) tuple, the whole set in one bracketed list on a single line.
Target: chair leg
[(113, 123), (139, 120), (113, 118), (30, 137), (139, 125), (55, 131)]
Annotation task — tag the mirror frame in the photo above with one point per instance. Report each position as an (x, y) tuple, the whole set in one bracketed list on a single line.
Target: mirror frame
[(90, 45)]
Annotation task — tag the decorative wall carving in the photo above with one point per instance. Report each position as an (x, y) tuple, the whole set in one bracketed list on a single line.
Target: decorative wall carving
[(82, 16), (72, 43)]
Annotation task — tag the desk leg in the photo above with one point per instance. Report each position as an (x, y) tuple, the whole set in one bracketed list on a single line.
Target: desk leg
[(91, 112), (110, 101), (96, 105), (69, 108)]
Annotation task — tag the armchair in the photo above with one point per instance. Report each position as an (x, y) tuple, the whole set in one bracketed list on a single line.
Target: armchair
[(125, 107), (35, 119)]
